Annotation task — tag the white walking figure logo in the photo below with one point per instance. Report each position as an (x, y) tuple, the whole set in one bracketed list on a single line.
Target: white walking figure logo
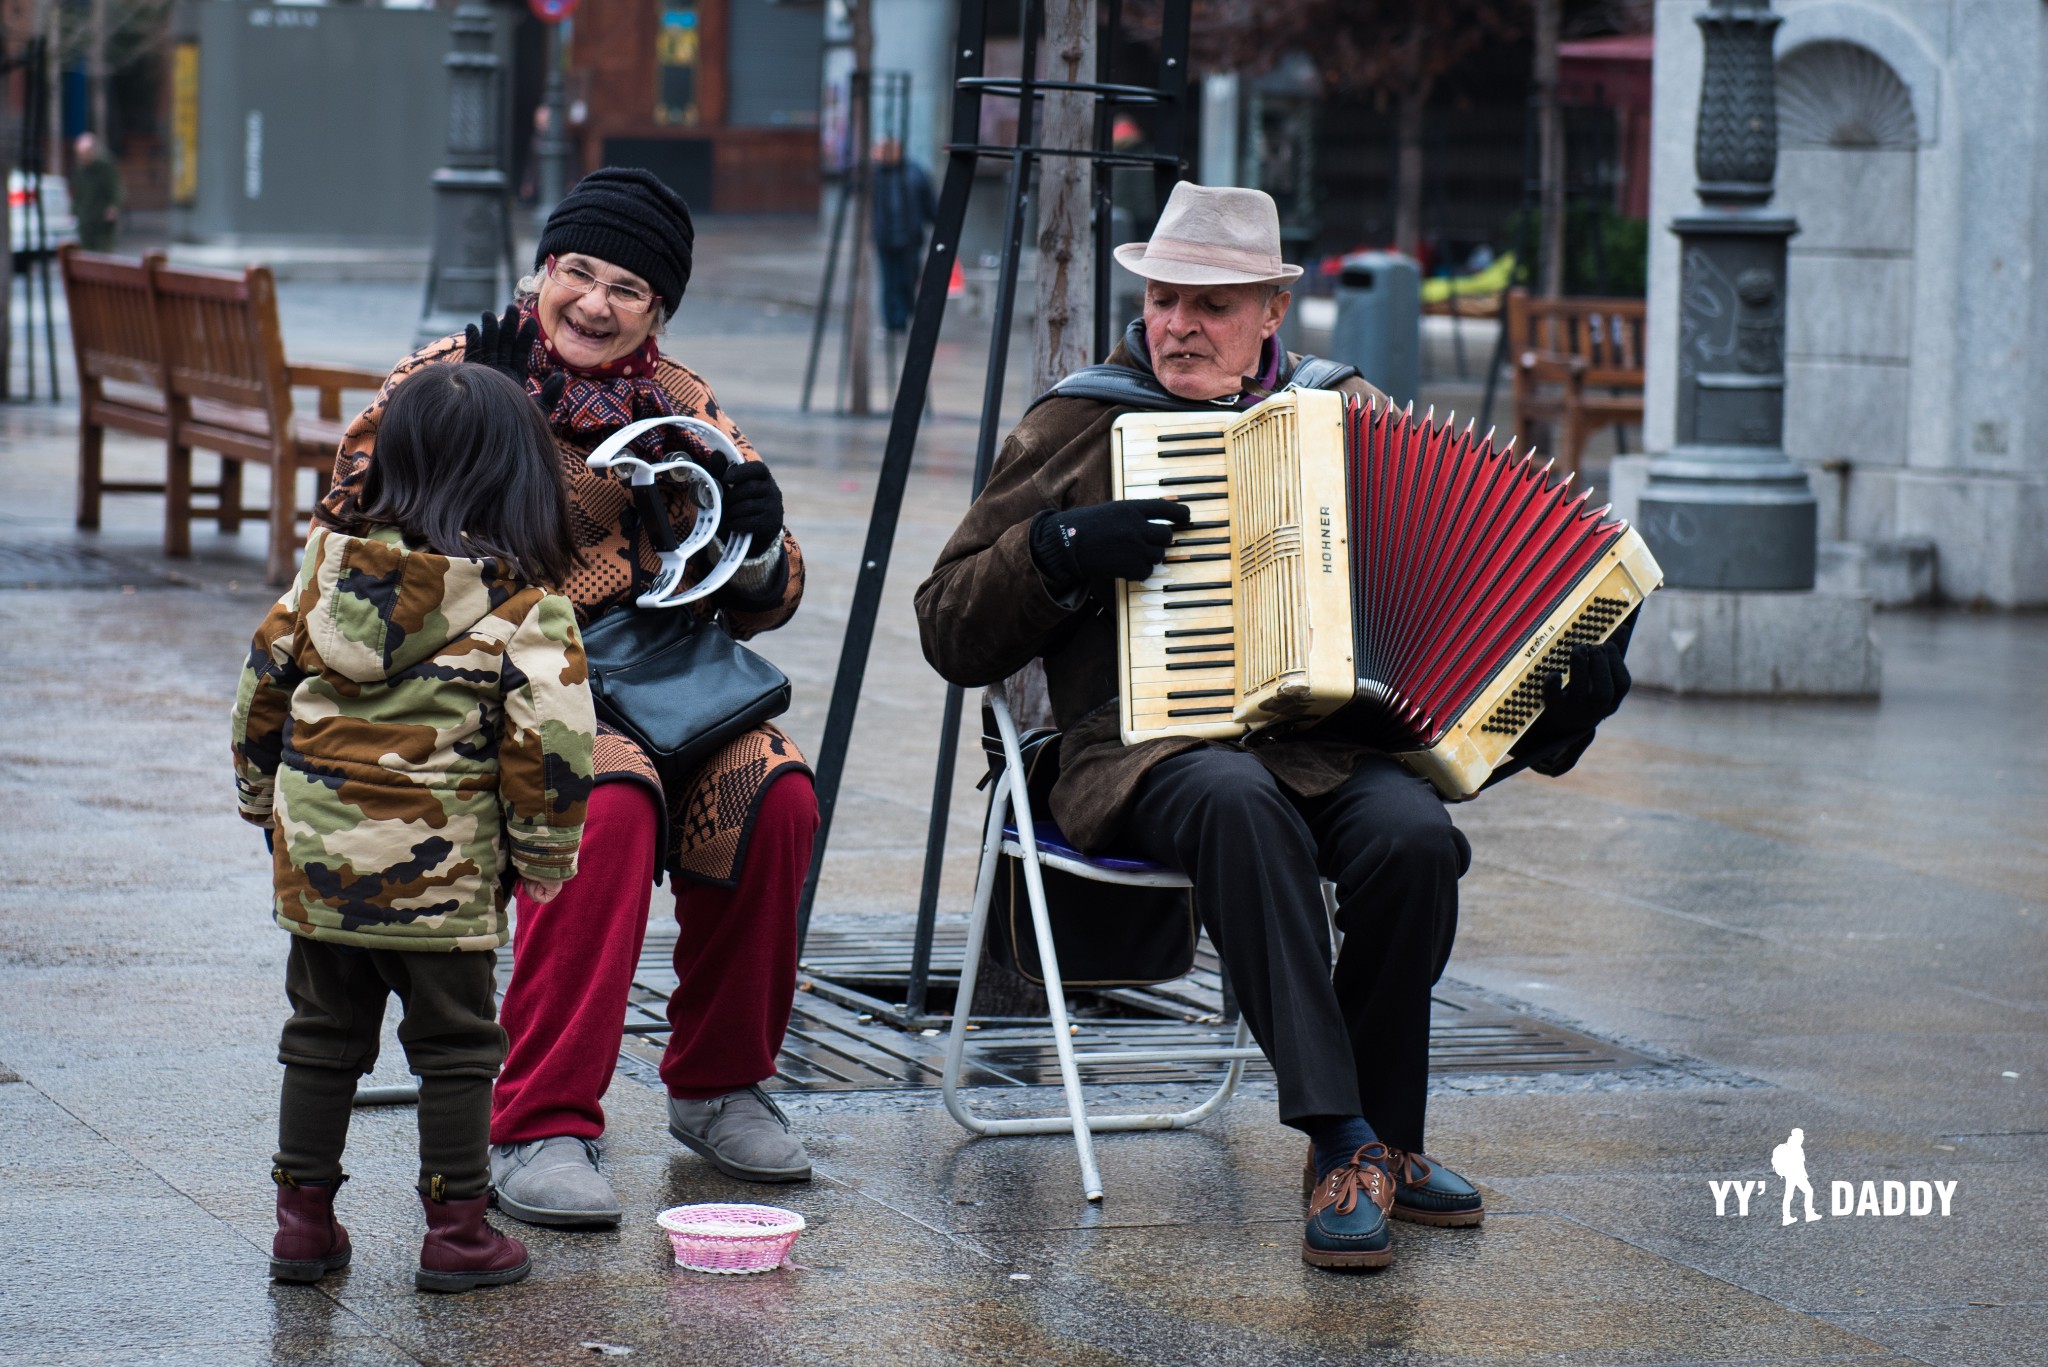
[(1788, 1160)]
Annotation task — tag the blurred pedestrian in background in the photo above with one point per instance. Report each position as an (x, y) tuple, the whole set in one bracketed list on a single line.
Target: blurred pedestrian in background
[(95, 195), (904, 208), (529, 183)]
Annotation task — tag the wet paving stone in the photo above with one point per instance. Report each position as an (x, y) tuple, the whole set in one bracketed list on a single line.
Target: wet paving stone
[(28, 565)]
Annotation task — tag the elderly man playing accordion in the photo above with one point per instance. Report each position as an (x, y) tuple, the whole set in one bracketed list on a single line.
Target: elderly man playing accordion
[(1029, 574)]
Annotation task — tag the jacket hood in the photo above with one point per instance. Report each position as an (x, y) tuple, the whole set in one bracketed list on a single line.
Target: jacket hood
[(374, 607)]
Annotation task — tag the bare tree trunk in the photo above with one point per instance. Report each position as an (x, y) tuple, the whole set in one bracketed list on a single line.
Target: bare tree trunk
[(1065, 330), (1408, 170), (96, 70), (1550, 146), (858, 324)]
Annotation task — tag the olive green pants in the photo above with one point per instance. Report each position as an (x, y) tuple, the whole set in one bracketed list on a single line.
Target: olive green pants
[(452, 1042)]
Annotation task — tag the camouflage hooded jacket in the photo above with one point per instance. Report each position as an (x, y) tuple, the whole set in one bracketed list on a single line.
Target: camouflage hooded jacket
[(415, 728)]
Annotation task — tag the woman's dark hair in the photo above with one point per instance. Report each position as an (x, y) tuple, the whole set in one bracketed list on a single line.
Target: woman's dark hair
[(465, 465)]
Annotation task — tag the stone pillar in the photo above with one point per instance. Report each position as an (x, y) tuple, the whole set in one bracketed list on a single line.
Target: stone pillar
[(1729, 516), (1725, 508), (471, 211)]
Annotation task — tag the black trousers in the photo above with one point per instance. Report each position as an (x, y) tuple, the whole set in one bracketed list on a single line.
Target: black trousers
[(1355, 1042), (452, 1041)]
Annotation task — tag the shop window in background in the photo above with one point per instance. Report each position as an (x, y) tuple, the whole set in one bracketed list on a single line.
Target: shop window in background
[(675, 57)]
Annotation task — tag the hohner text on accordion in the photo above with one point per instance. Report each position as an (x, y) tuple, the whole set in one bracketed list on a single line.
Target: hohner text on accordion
[(1295, 646)]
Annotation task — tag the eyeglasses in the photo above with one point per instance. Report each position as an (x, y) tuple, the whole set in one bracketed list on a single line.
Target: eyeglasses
[(576, 280)]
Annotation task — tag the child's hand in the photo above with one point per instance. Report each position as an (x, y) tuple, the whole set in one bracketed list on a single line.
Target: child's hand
[(539, 891)]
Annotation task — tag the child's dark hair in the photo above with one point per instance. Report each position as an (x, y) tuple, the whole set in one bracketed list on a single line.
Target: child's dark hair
[(465, 465)]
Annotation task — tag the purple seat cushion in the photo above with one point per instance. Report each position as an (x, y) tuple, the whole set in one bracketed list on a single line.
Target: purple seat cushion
[(1052, 840)]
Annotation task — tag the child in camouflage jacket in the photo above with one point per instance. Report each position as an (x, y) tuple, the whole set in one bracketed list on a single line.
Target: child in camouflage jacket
[(413, 731)]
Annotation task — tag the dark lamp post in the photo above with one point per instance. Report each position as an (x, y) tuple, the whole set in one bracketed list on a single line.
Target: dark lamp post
[(1725, 508), (552, 153), (471, 222)]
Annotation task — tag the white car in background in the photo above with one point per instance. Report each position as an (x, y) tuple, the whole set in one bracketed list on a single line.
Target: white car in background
[(59, 224)]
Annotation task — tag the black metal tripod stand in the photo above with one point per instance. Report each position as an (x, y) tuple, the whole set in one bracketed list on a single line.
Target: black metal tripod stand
[(1169, 97), (35, 136)]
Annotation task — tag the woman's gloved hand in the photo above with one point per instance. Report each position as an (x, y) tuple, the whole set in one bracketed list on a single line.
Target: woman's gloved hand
[(506, 345), (753, 503), (752, 499), (1125, 539)]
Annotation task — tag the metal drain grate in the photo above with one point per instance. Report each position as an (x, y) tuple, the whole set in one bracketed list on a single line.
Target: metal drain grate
[(56, 565), (833, 1044)]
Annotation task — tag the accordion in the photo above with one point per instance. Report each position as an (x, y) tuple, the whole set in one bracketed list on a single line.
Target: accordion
[(1347, 556)]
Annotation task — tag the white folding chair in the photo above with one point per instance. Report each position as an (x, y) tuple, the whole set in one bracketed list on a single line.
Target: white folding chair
[(1013, 830)]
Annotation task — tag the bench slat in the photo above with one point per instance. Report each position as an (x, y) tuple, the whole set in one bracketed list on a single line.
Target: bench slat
[(197, 358), (1563, 351)]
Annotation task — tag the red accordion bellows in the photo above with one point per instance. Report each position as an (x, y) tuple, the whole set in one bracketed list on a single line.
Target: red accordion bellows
[(1461, 551)]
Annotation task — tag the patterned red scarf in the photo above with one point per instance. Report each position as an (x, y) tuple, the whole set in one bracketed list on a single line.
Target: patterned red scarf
[(598, 401)]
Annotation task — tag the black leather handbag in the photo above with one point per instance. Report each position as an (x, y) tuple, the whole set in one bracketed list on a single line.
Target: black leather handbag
[(678, 685)]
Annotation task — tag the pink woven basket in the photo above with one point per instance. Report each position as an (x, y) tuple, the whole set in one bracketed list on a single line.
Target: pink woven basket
[(730, 1239)]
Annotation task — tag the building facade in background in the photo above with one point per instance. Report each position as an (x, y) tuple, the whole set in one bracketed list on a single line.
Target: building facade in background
[(720, 98), (252, 121), (1914, 154), (316, 121)]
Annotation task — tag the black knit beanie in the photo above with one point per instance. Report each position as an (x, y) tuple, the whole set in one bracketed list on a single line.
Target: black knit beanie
[(625, 216)]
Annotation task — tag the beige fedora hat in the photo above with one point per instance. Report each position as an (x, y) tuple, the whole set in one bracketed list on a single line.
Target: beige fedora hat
[(1212, 235)]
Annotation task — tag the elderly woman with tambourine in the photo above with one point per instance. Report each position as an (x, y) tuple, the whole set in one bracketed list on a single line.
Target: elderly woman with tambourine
[(734, 832)]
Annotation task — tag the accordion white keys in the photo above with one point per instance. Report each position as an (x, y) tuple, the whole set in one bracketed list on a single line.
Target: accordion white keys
[(1347, 557)]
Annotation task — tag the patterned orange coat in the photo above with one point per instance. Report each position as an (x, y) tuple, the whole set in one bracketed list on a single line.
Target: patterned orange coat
[(711, 813)]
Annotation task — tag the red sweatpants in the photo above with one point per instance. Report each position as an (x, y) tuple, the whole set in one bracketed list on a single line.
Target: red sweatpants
[(574, 959)]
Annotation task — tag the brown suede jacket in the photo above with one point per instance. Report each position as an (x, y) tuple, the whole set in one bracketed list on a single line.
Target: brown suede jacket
[(985, 613)]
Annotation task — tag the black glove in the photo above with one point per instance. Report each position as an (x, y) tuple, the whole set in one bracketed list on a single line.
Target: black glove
[(753, 503), (1121, 540), (269, 841), (753, 500), (1577, 702), (506, 345)]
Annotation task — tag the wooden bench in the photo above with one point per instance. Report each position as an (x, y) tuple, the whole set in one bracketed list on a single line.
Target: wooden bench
[(1578, 363), (120, 364), (196, 357)]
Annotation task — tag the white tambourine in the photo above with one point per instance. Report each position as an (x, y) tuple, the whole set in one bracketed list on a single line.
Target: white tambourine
[(613, 458)]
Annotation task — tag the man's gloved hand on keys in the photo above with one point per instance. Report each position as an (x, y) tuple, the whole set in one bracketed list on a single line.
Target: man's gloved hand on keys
[(1126, 539), (1588, 694)]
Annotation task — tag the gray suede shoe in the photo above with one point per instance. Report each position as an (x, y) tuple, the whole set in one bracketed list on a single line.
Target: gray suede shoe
[(744, 1134), (552, 1182)]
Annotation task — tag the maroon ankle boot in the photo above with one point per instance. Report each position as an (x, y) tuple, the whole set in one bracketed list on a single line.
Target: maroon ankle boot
[(310, 1242), (462, 1251)]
